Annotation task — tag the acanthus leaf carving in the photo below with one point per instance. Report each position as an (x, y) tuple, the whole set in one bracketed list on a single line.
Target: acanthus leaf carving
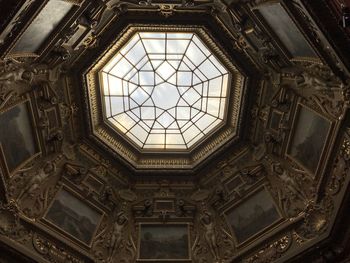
[(53, 252), (10, 222), (271, 251), (316, 219)]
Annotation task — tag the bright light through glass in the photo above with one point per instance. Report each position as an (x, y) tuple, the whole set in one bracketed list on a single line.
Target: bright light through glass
[(165, 90)]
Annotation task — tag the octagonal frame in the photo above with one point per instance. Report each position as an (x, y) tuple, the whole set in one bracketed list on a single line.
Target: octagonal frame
[(163, 160), (209, 81)]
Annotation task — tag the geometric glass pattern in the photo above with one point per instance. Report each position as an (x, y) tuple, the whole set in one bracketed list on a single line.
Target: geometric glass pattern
[(165, 90)]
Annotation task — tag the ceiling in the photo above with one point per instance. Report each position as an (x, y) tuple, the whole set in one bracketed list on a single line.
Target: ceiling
[(268, 183)]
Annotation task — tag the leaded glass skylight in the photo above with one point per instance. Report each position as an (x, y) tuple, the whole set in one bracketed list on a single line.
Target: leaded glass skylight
[(165, 90)]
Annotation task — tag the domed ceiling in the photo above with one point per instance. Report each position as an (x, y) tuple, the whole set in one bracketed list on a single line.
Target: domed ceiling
[(171, 90), (174, 131)]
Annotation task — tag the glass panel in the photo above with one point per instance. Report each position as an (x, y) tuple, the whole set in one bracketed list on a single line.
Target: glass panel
[(149, 123), (191, 133), (177, 46), (195, 55), (121, 68), (107, 107), (165, 120), (183, 113), (117, 125), (184, 78), (181, 123), (112, 63), (222, 109), (104, 79), (130, 75), (191, 96), (217, 64), (215, 87), (135, 139), (165, 96), (225, 84), (156, 139), (130, 45), (146, 78), (198, 116), (144, 126), (205, 121), (117, 105), (152, 35), (154, 45), (209, 70), (179, 35), (174, 139), (139, 132), (115, 86), (213, 106), (201, 46), (154, 146), (125, 120), (149, 94), (139, 96), (212, 126), (165, 70), (160, 57)]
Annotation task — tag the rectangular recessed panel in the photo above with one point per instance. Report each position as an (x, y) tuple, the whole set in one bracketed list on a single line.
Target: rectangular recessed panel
[(42, 26)]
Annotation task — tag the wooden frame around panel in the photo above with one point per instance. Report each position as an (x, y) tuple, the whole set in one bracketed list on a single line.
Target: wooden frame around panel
[(90, 176), (8, 23), (36, 140), (49, 39), (61, 231), (230, 180), (164, 224), (234, 206), (292, 133), (272, 32), (269, 123), (164, 201)]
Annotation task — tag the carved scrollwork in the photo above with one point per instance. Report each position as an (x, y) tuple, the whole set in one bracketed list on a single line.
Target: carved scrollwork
[(293, 189), (341, 168), (316, 219), (75, 172), (271, 251), (52, 252), (32, 185), (143, 209), (10, 225)]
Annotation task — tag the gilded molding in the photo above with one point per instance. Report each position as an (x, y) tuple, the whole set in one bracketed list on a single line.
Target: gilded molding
[(141, 159)]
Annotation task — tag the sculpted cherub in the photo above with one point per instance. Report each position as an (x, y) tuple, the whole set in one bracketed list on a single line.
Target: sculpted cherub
[(37, 180)]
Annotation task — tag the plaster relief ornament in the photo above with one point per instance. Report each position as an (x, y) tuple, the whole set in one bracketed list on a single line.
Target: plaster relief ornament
[(289, 182), (127, 195), (292, 197), (200, 195), (210, 235), (36, 181), (16, 74), (318, 78), (117, 235), (12, 78)]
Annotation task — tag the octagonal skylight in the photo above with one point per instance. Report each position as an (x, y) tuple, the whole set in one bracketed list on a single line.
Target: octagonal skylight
[(165, 90)]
